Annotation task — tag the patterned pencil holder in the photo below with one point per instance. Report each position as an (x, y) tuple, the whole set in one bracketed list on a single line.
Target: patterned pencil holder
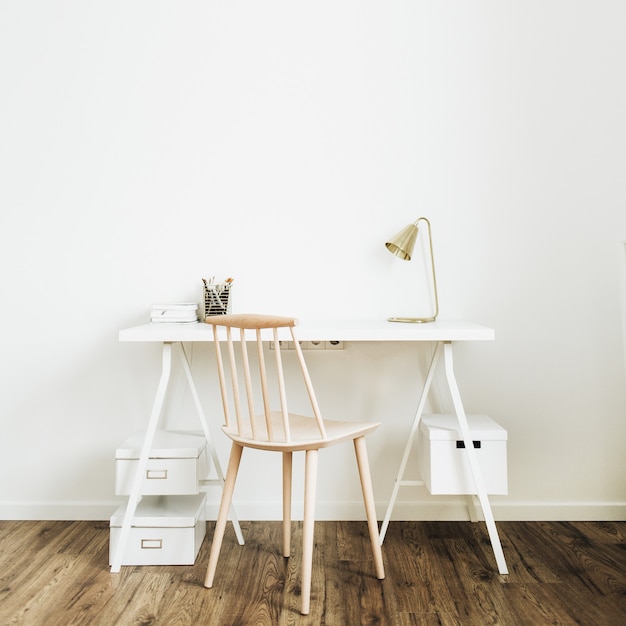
[(216, 298)]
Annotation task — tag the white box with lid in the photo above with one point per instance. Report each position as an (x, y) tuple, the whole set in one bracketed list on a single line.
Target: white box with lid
[(177, 462), (443, 463), (166, 530)]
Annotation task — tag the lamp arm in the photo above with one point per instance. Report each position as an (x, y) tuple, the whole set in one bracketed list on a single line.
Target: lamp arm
[(432, 264)]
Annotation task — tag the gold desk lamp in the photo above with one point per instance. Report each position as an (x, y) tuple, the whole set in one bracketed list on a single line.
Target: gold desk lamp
[(402, 246)]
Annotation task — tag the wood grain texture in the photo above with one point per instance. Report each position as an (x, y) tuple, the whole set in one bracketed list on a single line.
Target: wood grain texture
[(57, 574)]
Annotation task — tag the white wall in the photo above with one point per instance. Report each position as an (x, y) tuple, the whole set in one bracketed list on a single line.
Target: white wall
[(145, 145)]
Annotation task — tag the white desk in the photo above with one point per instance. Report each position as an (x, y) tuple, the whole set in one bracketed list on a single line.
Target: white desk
[(442, 333), (326, 330)]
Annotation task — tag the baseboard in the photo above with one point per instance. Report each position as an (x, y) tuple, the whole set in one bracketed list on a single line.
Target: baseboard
[(438, 510), (446, 510), (514, 511), (58, 511)]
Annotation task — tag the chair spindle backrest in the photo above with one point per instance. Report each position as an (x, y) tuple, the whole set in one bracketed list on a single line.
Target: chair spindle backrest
[(259, 377)]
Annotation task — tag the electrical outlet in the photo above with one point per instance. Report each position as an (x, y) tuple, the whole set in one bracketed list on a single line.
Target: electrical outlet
[(333, 345), (284, 345), (309, 345), (314, 345)]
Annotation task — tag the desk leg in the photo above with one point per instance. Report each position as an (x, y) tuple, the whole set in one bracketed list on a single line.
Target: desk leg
[(209, 440), (133, 499), (473, 461), (407, 450)]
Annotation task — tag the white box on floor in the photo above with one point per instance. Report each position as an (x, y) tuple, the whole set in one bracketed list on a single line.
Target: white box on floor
[(443, 463), (178, 461), (166, 530)]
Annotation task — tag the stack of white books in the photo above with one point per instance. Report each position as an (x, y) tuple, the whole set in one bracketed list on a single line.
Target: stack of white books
[(182, 313)]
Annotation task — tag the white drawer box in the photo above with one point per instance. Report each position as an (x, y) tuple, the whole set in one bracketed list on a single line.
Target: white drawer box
[(178, 461), (166, 530), (443, 463)]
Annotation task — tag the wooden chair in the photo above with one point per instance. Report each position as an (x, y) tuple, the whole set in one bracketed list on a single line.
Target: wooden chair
[(279, 431)]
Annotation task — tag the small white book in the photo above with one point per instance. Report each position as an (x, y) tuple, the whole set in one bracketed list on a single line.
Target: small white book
[(181, 306), (177, 312)]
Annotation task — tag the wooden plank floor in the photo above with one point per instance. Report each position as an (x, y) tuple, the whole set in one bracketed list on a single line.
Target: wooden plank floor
[(56, 573)]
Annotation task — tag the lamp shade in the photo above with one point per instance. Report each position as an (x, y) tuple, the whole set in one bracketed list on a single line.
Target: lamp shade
[(403, 243)]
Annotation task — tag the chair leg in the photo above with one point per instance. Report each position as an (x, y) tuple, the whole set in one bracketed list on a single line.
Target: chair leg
[(287, 473), (360, 449), (222, 517), (310, 483)]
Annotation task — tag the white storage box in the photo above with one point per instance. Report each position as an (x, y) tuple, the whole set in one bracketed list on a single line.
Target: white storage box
[(443, 463), (166, 530), (178, 461)]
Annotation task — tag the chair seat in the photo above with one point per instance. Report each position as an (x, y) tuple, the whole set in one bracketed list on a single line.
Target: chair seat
[(305, 434)]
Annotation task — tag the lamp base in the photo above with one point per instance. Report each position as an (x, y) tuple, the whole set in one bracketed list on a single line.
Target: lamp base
[(412, 320)]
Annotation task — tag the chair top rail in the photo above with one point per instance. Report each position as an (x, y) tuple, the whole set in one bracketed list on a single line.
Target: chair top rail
[(251, 321)]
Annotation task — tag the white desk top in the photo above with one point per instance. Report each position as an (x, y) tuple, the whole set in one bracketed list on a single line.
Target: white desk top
[(327, 330)]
